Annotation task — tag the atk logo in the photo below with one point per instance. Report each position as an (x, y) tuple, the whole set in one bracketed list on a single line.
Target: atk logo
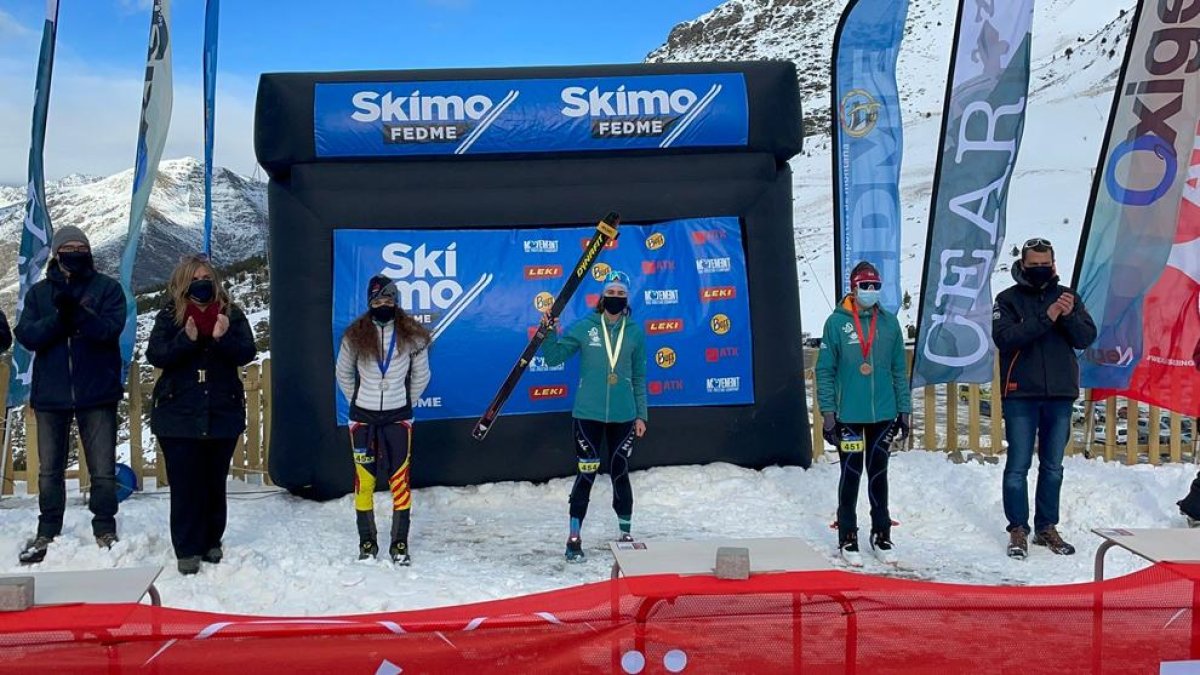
[(608, 245), (411, 117), (713, 265), (543, 301), (665, 357), (714, 293), (656, 266), (534, 272), (427, 282), (538, 365), (631, 113), (540, 245), (660, 387), (600, 271), (656, 241), (542, 393), (720, 324), (723, 385), (664, 326), (715, 354), (701, 237), (662, 297)]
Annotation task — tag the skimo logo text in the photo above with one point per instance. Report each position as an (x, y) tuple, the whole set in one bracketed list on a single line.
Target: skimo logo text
[(720, 324), (543, 271), (538, 365), (663, 326), (633, 113), (543, 393), (713, 265), (713, 293), (426, 279), (662, 297), (412, 118), (541, 245), (701, 237), (723, 385), (715, 354), (660, 387), (600, 271), (656, 266), (542, 301), (656, 241), (665, 357)]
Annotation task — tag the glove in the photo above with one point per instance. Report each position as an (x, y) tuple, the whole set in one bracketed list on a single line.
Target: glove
[(66, 304), (829, 429), (902, 428)]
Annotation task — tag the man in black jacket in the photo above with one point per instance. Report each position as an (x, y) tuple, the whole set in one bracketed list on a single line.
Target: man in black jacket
[(72, 322), (1038, 325)]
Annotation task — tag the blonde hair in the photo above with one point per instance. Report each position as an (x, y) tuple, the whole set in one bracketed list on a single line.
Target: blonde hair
[(182, 277)]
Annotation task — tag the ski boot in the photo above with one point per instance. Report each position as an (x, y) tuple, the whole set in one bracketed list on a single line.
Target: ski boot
[(881, 546), (625, 538), (367, 546), (848, 547), (399, 552), (575, 550)]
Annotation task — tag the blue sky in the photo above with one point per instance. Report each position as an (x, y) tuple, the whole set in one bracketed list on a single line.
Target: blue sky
[(102, 47)]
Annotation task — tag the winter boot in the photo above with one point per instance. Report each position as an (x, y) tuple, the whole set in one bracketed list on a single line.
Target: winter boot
[(106, 540), (881, 546), (1018, 543), (399, 547), (35, 550), (575, 550), (1050, 538), (625, 538), (213, 555), (1189, 506), (848, 546), (368, 546), (399, 552), (189, 565)]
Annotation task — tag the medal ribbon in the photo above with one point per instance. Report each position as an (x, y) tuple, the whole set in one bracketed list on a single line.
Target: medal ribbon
[(613, 354), (385, 364), (865, 341)]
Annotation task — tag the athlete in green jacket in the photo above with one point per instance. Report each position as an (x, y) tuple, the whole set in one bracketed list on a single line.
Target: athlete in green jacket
[(862, 380), (610, 404)]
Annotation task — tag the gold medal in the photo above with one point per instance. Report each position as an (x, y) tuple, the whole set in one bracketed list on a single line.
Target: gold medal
[(865, 369), (612, 378)]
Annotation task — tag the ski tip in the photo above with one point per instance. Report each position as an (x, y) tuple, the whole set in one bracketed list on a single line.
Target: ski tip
[(613, 218)]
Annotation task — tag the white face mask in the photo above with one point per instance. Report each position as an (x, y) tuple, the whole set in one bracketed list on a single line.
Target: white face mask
[(867, 298)]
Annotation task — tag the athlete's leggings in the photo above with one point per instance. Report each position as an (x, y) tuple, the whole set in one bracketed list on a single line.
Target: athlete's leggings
[(589, 435), (874, 459), (386, 447)]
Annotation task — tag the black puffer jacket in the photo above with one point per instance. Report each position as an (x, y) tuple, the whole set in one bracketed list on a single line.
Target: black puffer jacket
[(5, 334), (1037, 355), (200, 393), (77, 360)]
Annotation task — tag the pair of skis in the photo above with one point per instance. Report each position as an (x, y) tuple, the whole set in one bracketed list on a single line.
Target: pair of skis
[(606, 231)]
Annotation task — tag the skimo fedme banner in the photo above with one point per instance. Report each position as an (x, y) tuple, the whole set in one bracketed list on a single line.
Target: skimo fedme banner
[(1133, 230), (868, 142), (369, 119), (482, 292), (981, 135)]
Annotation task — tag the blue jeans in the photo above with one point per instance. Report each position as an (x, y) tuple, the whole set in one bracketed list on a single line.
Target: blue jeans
[(1048, 421)]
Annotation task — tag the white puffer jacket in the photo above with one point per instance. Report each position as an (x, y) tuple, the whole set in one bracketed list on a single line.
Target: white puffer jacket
[(359, 378)]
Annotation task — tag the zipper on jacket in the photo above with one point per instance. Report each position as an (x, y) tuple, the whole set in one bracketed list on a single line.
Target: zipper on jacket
[(71, 369)]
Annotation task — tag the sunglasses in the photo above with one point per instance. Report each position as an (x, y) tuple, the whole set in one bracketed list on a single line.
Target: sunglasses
[(619, 277), (869, 285), (1037, 243)]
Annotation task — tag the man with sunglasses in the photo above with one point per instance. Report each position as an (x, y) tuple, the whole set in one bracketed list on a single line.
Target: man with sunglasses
[(1038, 326), (72, 322), (862, 383)]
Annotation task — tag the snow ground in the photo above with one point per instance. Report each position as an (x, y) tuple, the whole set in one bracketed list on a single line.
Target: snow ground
[(288, 556)]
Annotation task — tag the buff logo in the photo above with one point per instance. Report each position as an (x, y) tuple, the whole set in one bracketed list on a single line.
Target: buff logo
[(656, 241), (600, 271), (542, 301), (665, 357), (720, 324), (425, 279), (664, 326), (634, 113)]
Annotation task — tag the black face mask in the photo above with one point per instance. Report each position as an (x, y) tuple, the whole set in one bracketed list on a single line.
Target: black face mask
[(383, 313), (1038, 277), (75, 262), (613, 304), (202, 291)]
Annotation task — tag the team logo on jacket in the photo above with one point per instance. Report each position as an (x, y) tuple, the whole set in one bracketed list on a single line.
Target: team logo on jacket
[(543, 271), (660, 387), (720, 324), (543, 301), (538, 365), (723, 385), (593, 337), (713, 265), (713, 293), (656, 241), (662, 297), (715, 354), (656, 266), (661, 326), (541, 245), (665, 357), (600, 271), (541, 393)]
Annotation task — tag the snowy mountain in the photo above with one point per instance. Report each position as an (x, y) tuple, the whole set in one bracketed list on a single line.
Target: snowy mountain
[(1077, 50), (174, 219)]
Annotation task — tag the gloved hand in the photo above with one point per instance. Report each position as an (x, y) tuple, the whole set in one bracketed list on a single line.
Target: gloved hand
[(66, 304), (902, 428), (829, 429)]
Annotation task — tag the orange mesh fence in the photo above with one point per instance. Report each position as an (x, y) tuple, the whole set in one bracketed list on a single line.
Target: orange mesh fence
[(817, 622)]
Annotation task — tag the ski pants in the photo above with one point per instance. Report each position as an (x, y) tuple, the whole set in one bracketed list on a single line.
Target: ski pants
[(874, 459), (197, 470), (589, 437), (383, 451)]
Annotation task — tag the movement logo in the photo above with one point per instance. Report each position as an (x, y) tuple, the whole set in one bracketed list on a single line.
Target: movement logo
[(665, 357), (713, 265), (662, 297), (715, 354), (656, 266), (712, 293), (723, 385), (656, 241), (411, 118), (631, 113), (538, 365), (720, 324), (543, 393), (543, 271), (541, 245), (659, 387), (858, 113), (663, 326)]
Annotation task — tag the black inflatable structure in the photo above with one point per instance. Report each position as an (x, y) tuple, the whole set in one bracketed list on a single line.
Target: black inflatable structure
[(311, 194)]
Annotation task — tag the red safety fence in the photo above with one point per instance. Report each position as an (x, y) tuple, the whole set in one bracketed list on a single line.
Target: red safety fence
[(815, 622)]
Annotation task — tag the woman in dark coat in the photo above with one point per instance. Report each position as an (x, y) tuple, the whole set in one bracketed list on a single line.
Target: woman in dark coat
[(200, 340)]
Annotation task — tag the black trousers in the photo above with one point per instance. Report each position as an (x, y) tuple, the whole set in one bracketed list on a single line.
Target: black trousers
[(197, 470), (98, 432), (590, 437), (874, 460)]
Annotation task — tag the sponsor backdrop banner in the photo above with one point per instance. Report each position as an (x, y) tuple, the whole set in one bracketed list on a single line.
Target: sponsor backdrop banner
[(481, 293), (981, 134), (1135, 235), (368, 119), (869, 143)]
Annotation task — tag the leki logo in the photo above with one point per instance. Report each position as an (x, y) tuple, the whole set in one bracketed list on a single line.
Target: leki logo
[(720, 324), (665, 357), (543, 271), (715, 354), (659, 387), (656, 241), (662, 326), (656, 266), (712, 293), (542, 301), (608, 245), (541, 393), (600, 271), (701, 237)]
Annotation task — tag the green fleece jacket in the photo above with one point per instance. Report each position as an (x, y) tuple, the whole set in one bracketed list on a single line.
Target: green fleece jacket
[(595, 398), (856, 398)]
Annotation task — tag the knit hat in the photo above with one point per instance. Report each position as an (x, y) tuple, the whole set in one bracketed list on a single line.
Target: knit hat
[(66, 235), (381, 287), (864, 271)]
